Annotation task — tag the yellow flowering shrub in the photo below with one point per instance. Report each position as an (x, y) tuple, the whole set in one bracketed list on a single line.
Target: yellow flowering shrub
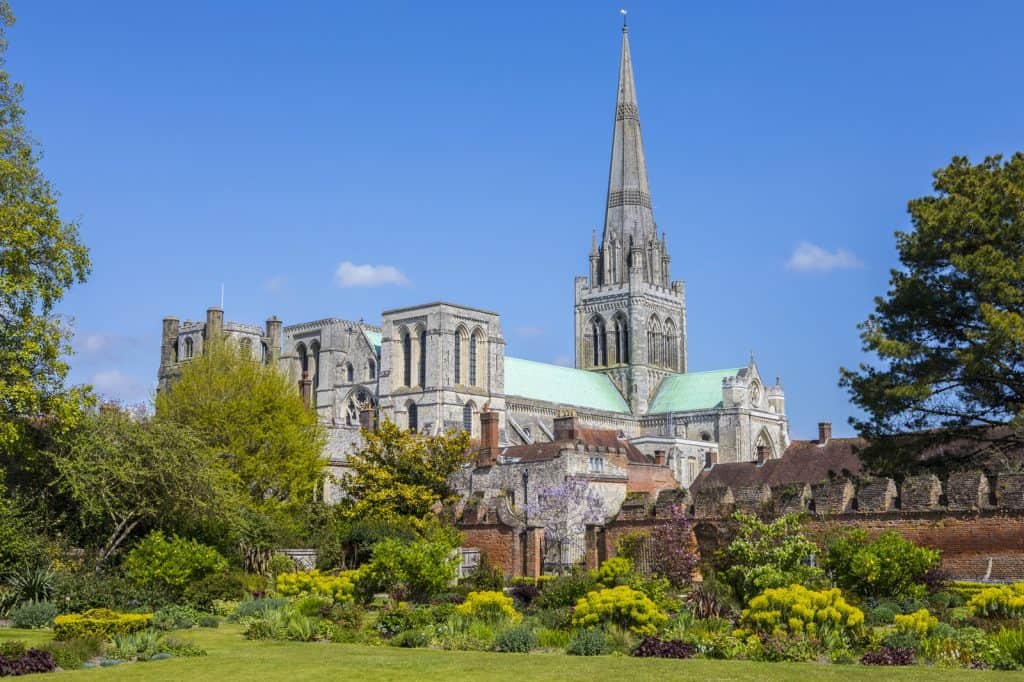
[(339, 588), (102, 623), (623, 606), (493, 607), (796, 609), (1005, 601), (920, 622)]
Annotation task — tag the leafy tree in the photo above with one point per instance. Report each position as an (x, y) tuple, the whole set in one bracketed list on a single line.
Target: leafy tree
[(252, 417), (949, 333), (767, 555), (127, 473), (888, 566), (40, 258), (397, 474), (415, 570), (19, 541)]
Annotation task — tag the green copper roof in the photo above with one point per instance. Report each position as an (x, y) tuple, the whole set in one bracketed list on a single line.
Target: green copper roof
[(693, 391), (374, 339), (563, 385)]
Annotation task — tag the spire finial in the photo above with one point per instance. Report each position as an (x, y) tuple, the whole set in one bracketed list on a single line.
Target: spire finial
[(623, 12)]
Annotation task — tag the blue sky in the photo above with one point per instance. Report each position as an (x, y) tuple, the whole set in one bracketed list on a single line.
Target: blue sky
[(263, 144)]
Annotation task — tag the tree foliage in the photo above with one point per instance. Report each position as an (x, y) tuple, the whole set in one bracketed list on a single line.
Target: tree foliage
[(888, 566), (127, 473), (397, 474), (40, 258), (768, 555), (949, 333), (253, 419), (674, 554), (170, 564)]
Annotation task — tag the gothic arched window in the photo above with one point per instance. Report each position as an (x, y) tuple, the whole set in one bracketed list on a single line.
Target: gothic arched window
[(467, 417), (371, 370), (314, 350), (413, 417), (189, 346), (423, 358), (598, 334), (461, 339), (621, 330), (472, 360), (406, 358), (350, 372)]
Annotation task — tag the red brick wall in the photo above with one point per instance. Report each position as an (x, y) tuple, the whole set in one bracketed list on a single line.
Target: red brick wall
[(499, 544)]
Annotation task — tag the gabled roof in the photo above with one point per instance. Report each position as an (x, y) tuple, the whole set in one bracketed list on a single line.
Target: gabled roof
[(804, 461), (691, 391), (374, 338), (562, 385)]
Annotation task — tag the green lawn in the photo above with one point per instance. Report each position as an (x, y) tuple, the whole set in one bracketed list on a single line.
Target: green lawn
[(233, 658)]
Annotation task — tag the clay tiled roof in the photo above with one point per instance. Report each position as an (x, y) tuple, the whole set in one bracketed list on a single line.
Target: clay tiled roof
[(590, 438), (804, 461)]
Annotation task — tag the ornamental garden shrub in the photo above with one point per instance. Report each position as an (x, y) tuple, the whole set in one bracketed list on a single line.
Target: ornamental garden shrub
[(798, 610), (415, 570), (888, 566), (622, 606), (652, 647), (888, 655), (1009, 648), (587, 642), (171, 564), (73, 653), (34, 614), (34, 661), (920, 623), (491, 607), (614, 571), (339, 588), (566, 590), (1006, 601), (768, 555), (519, 639), (99, 623), (175, 617)]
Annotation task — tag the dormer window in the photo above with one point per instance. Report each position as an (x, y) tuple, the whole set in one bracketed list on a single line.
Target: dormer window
[(597, 465)]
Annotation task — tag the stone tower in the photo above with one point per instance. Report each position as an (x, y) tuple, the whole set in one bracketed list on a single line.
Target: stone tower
[(630, 317)]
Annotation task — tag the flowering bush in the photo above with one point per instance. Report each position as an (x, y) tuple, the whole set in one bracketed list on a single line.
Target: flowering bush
[(796, 609), (919, 622), (673, 548), (622, 606), (99, 623), (1006, 601), (493, 607), (614, 571), (340, 588)]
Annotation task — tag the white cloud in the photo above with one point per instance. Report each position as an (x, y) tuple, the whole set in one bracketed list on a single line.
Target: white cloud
[(275, 284), (99, 344), (115, 384), (529, 332), (809, 257), (349, 274)]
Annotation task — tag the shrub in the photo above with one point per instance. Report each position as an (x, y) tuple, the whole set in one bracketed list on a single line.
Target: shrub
[(347, 615), (1009, 648), (38, 614), (175, 618), (1006, 601), (566, 590), (490, 607), (520, 639), (177, 647), (556, 619), (280, 563), (888, 566), (311, 604), (652, 647), (224, 607), (393, 621), (143, 645), (769, 555), (673, 548), (338, 588), (208, 590), (171, 564), (888, 655), (619, 640), (34, 661), (786, 647), (709, 599), (417, 569), (882, 613), (88, 589), (208, 621), (32, 584), (614, 571), (70, 655), (622, 606), (919, 622), (586, 642), (798, 610), (411, 639), (525, 594), (252, 607), (548, 638), (13, 648), (484, 577), (714, 638), (98, 623)]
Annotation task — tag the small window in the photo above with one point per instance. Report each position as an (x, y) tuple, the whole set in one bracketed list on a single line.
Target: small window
[(264, 353), (596, 465), (472, 360), (423, 358), (188, 348), (371, 370), (467, 418), (414, 421), (350, 373)]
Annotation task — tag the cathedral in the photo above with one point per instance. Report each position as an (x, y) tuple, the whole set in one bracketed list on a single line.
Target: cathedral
[(442, 366)]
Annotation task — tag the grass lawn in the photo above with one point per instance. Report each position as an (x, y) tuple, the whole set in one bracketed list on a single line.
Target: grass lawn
[(231, 657)]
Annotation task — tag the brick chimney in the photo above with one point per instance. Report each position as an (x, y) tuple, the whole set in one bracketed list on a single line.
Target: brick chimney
[(824, 432), (710, 458), (762, 454), (567, 427), (659, 458), (487, 455)]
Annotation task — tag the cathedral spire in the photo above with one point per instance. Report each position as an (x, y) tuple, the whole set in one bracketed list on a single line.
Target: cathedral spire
[(628, 215)]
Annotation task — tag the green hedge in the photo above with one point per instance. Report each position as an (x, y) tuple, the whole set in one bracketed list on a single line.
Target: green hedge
[(99, 623)]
